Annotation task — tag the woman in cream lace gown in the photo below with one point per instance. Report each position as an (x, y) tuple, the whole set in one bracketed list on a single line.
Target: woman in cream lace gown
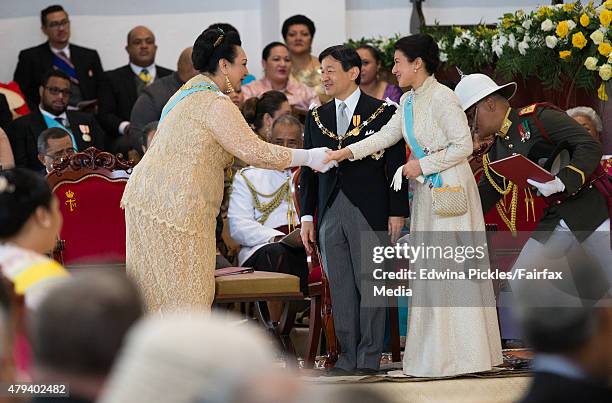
[(174, 193), (452, 325)]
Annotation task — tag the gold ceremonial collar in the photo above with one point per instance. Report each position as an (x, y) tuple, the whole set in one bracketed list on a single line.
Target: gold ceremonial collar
[(503, 131)]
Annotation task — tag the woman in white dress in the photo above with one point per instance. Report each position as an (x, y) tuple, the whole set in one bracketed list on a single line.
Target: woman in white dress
[(452, 325)]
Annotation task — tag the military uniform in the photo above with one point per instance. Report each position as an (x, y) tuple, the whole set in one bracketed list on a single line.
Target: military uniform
[(535, 132)]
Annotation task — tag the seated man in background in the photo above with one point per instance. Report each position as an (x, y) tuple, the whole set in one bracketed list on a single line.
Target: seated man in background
[(149, 105), (53, 144), (79, 329), (261, 210), (82, 65), (124, 85), (82, 127)]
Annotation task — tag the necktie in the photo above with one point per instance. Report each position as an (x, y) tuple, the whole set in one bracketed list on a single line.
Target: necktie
[(60, 121), (342, 119), (145, 76)]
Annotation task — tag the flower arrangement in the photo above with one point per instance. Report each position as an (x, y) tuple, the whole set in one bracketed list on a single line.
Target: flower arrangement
[(565, 43)]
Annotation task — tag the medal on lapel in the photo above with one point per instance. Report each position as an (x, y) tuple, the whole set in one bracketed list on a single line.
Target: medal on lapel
[(356, 120), (85, 130), (524, 131)]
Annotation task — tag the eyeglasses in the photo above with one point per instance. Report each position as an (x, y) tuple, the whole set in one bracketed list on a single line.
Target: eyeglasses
[(57, 24), (56, 91), (66, 152)]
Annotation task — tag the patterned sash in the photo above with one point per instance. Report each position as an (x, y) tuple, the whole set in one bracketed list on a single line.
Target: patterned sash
[(61, 62), (184, 92)]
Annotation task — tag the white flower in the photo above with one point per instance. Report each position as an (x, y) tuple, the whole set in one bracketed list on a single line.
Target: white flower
[(551, 41), (522, 48), (503, 40), (458, 42), (547, 25), (443, 57), (591, 63), (571, 24), (512, 41), (498, 50), (519, 30), (597, 37), (442, 44), (527, 24)]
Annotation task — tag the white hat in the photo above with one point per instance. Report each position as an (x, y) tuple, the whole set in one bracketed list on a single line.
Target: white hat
[(474, 87)]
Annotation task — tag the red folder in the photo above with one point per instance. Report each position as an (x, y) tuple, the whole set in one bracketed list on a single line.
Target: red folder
[(517, 168)]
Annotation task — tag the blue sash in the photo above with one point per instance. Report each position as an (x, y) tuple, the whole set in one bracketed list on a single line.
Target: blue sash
[(434, 179), (65, 66), (182, 94), (53, 123)]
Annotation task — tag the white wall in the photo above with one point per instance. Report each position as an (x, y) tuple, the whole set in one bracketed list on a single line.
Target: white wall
[(103, 24)]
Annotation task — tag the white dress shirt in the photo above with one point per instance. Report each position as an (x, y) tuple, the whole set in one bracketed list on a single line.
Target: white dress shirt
[(66, 50)]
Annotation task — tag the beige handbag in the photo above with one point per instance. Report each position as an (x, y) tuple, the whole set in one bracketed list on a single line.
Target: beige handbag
[(449, 201)]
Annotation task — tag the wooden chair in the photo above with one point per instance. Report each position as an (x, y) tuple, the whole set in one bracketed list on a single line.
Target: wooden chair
[(89, 186)]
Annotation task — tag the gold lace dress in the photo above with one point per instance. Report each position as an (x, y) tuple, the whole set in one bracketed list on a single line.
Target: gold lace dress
[(174, 195)]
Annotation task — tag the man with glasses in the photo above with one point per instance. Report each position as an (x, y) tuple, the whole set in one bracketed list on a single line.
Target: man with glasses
[(82, 65), (82, 128), (53, 145)]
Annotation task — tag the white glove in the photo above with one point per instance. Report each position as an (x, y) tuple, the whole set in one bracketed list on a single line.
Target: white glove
[(396, 183), (548, 188), (312, 158)]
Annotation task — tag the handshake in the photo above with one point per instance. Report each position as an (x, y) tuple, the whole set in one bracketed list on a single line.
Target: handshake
[(320, 159)]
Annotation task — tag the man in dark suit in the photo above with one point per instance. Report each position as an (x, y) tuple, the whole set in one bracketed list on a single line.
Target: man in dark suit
[(350, 202), (568, 322), (54, 93), (125, 84), (82, 65)]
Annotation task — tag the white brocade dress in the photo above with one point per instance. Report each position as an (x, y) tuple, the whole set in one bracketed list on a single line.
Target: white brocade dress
[(452, 325)]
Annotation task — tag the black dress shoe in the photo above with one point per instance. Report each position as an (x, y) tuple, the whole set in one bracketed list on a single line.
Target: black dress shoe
[(337, 372), (367, 371)]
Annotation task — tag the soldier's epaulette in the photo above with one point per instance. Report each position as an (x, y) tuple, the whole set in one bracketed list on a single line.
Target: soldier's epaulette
[(528, 110)]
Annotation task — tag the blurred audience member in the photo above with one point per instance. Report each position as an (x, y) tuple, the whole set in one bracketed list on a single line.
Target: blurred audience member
[(6, 116), (53, 145), (193, 357), (79, 329), (82, 127), (30, 221), (588, 118), (276, 64), (148, 133), (82, 65), (371, 83), (124, 85), (6, 152), (298, 32), (261, 112), (149, 105), (569, 324), (237, 97)]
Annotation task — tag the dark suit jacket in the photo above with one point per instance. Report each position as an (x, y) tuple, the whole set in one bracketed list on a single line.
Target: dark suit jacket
[(551, 388), (5, 112), (365, 182), (118, 95), (35, 62), (23, 134)]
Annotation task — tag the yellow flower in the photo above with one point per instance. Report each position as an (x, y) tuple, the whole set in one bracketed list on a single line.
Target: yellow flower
[(506, 23), (601, 92), (605, 72), (584, 20), (605, 17), (578, 40), (568, 7), (565, 54), (604, 49), (608, 4), (544, 11), (562, 29)]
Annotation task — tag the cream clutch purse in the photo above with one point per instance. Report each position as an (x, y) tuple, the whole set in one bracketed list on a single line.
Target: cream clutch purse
[(449, 201)]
